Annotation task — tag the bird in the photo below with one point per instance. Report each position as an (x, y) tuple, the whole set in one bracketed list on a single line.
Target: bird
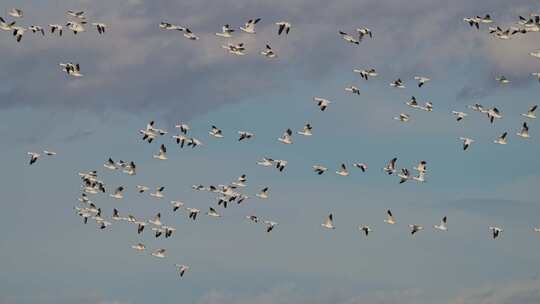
[(216, 132), (342, 170), (110, 164), (16, 13), (353, 89), (156, 221), (329, 222), (181, 269), (139, 247), (270, 225), (170, 26), (322, 103), (177, 205), (158, 231), (348, 38), (306, 131), (193, 212), (79, 15), (364, 31), (442, 226), (245, 135), (361, 166), (404, 175), (494, 113), (283, 27), (253, 218), (398, 83), (118, 193), (319, 169), (366, 73), (421, 167), (72, 69), (501, 140), (162, 153), (281, 164), (530, 113), (189, 34), (473, 21), (249, 26), (502, 79), (141, 188), (212, 212), (403, 117), (240, 181), (76, 27), (412, 103), (6, 26), (263, 194), (459, 115), (415, 228), (184, 128), (478, 108), (37, 29), (535, 54), (389, 218), (390, 168), (226, 31), (158, 193), (536, 229), (366, 229), (18, 32), (466, 142), (286, 138), (266, 162), (235, 49), (130, 169), (49, 153), (100, 27), (524, 132), (268, 52), (160, 253), (421, 80), (496, 231), (56, 27), (33, 157)]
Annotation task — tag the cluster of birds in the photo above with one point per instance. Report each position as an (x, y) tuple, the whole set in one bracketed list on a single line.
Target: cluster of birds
[(233, 192), (523, 25)]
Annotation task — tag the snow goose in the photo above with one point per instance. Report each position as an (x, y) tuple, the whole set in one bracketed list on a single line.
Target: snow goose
[(270, 225), (249, 27), (141, 188), (306, 131), (139, 247), (361, 166), (118, 193), (389, 218), (281, 164), (530, 113), (177, 205), (478, 108), (459, 115), (33, 157), (184, 128), (501, 140), (421, 177), (193, 212), (502, 80), (390, 168), (56, 27), (421, 80), (266, 162), (16, 13), (366, 73), (76, 27), (140, 226), (329, 222), (226, 31), (366, 229), (283, 27), (486, 19), (421, 167), (6, 26), (353, 90), (428, 107), (110, 164), (116, 215), (213, 213), (160, 253), (286, 138), (170, 26), (319, 169), (535, 54), (216, 132), (364, 31), (37, 29), (268, 52), (398, 83), (472, 21), (342, 171), (162, 153), (189, 34), (72, 69), (413, 103), (182, 269), (263, 194), (158, 193), (415, 228), (194, 142), (245, 135), (524, 132), (100, 27), (78, 15), (130, 169), (240, 181), (18, 32), (169, 231), (466, 142), (403, 117), (156, 221), (322, 103), (348, 38), (496, 231), (536, 229), (442, 226), (404, 175), (235, 49), (253, 218)]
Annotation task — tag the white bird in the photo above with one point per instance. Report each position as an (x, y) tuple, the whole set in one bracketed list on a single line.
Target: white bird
[(466, 142), (348, 38), (530, 113), (100, 27), (249, 27), (170, 26), (118, 193), (266, 162), (177, 205), (459, 115), (501, 140), (130, 169), (158, 193), (253, 218), (403, 117), (536, 229), (268, 52), (235, 49), (442, 226), (390, 168), (286, 138), (283, 27), (329, 222), (478, 108), (535, 54), (110, 164), (193, 212), (353, 89), (524, 132), (156, 221), (263, 194), (364, 31), (139, 247), (18, 32), (415, 228), (76, 27), (216, 132), (213, 213), (361, 166), (366, 229), (33, 157), (421, 80), (493, 113), (389, 218), (306, 131), (322, 103), (404, 175), (496, 231), (366, 73), (398, 83), (16, 13), (189, 34), (421, 167), (342, 170), (472, 21), (182, 269), (6, 26), (281, 164), (226, 31), (49, 153), (79, 15), (413, 103), (72, 69), (56, 27), (270, 225), (502, 79), (319, 169), (37, 29), (245, 135), (184, 128), (160, 253), (162, 153)]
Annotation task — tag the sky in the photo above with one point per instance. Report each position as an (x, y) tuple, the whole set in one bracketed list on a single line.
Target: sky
[(136, 73)]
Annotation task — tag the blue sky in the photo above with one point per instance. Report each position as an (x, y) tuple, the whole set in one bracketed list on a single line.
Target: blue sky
[(136, 73)]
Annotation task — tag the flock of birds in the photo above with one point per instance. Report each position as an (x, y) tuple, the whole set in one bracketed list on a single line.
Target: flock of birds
[(232, 192)]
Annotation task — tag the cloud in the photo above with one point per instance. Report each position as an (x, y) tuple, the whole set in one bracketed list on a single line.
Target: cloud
[(526, 292)]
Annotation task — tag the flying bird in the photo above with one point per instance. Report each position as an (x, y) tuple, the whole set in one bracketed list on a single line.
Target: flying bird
[(268, 52), (389, 218), (283, 27), (366, 229), (421, 80), (415, 228), (182, 269), (319, 169), (249, 26), (349, 38), (306, 131), (530, 113), (466, 142), (160, 253), (342, 170), (322, 103), (162, 153), (329, 222), (442, 226), (524, 132), (226, 31), (496, 231), (501, 140)]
